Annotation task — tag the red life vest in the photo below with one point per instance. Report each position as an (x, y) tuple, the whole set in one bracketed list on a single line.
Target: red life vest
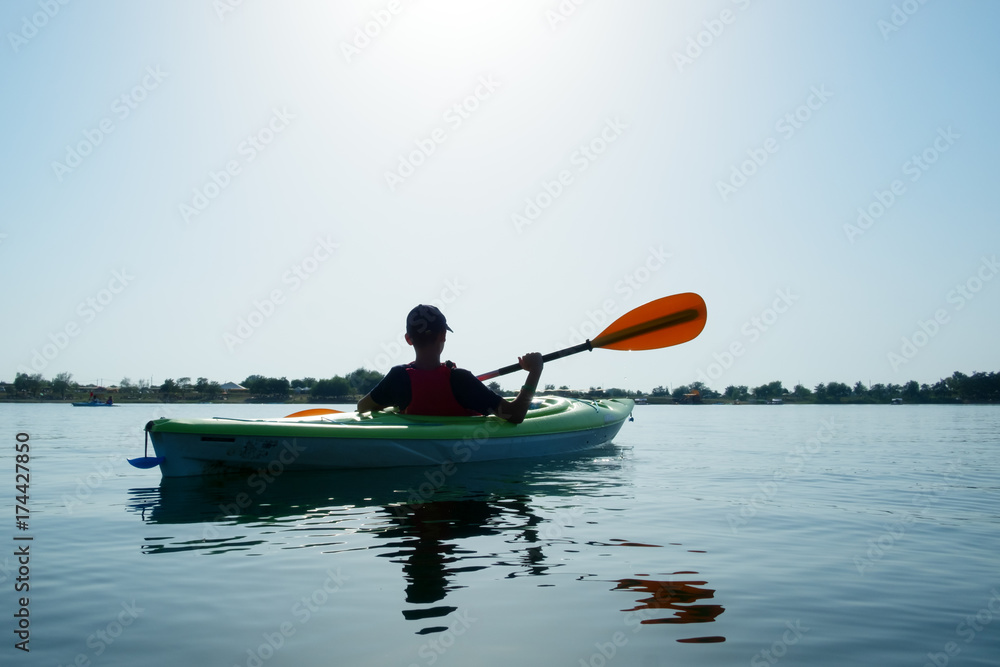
[(430, 393)]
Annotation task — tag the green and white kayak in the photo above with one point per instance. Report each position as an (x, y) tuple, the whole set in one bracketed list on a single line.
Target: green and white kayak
[(553, 426)]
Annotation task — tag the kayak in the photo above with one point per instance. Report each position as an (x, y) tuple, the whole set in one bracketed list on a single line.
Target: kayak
[(93, 404), (554, 425)]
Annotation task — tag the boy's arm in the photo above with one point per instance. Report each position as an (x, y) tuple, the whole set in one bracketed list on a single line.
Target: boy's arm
[(514, 411), (368, 404)]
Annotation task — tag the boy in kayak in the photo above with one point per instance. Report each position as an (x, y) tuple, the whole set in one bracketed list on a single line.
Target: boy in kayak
[(428, 387)]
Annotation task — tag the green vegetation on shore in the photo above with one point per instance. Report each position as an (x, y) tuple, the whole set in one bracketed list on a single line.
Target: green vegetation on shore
[(958, 388)]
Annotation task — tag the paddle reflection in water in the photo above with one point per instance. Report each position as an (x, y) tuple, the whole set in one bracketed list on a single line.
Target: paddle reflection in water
[(677, 596)]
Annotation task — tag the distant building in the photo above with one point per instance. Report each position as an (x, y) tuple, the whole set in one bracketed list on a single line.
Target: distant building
[(691, 399), (232, 386)]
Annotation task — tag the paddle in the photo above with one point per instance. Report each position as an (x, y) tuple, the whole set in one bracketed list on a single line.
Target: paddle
[(146, 461), (313, 412), (668, 321)]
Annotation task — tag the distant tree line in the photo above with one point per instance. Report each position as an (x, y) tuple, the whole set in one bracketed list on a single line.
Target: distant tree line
[(976, 388), (958, 388)]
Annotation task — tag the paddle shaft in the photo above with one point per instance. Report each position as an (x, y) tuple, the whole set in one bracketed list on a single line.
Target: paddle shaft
[(582, 347), (609, 339)]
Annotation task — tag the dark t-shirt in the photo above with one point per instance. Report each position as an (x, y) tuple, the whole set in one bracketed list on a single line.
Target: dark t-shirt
[(471, 393)]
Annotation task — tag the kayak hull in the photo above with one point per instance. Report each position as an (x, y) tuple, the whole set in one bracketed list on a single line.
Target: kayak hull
[(555, 427)]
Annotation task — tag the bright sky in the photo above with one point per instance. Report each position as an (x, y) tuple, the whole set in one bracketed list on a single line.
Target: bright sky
[(216, 189)]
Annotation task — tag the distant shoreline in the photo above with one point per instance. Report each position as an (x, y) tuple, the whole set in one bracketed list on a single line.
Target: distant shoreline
[(340, 400)]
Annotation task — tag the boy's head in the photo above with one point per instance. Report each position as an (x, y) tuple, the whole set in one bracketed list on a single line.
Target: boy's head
[(424, 324)]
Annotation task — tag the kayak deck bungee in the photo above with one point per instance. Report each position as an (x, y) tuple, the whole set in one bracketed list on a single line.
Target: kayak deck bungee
[(554, 425)]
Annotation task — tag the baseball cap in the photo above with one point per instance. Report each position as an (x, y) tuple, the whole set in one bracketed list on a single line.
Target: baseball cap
[(423, 319)]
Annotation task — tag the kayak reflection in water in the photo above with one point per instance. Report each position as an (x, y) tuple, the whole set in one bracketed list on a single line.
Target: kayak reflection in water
[(428, 387)]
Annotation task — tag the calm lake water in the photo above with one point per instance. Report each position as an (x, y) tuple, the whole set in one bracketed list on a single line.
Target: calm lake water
[(792, 535)]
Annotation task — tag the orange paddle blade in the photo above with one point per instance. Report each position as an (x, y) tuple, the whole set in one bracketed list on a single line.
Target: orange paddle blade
[(313, 412), (668, 321)]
